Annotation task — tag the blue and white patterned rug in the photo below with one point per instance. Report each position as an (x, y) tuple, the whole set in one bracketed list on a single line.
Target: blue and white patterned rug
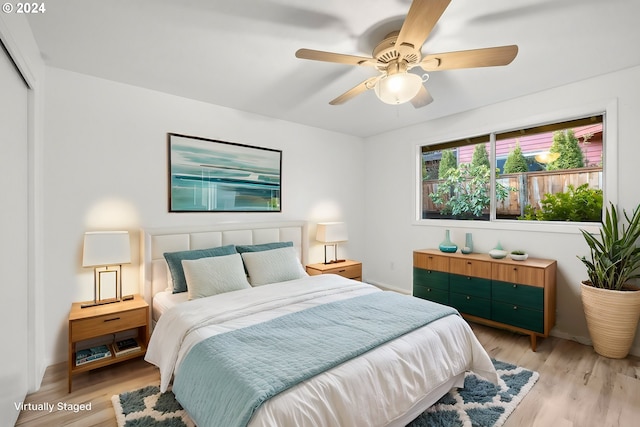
[(479, 404)]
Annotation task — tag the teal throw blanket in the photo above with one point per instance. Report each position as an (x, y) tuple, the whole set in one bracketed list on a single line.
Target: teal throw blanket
[(226, 377)]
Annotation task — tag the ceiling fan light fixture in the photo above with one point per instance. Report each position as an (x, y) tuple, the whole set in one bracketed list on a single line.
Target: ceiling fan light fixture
[(398, 88)]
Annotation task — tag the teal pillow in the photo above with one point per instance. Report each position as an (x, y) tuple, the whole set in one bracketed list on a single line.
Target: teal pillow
[(174, 261), (263, 247)]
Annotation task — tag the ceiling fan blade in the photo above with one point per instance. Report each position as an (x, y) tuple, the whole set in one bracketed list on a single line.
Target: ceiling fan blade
[(319, 55), (422, 17), (422, 98), (357, 90), (486, 57)]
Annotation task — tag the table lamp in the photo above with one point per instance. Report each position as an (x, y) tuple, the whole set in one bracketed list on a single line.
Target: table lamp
[(332, 233), (106, 251)]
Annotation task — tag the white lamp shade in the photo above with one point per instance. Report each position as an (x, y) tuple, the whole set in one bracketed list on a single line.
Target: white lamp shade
[(398, 88), (103, 248), (332, 232)]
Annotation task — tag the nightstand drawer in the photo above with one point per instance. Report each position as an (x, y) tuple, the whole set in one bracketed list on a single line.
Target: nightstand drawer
[(350, 272), (349, 269), (106, 324)]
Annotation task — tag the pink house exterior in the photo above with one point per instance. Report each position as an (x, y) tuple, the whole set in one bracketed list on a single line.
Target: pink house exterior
[(540, 143)]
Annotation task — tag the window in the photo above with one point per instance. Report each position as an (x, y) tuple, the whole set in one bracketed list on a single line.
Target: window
[(552, 172)]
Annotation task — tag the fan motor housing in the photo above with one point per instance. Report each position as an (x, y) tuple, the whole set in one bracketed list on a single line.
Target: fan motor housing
[(386, 52)]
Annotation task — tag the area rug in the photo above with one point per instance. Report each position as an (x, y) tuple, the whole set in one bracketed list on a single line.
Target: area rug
[(479, 404)]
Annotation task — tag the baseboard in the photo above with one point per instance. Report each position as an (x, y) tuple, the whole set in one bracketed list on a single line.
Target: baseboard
[(387, 287)]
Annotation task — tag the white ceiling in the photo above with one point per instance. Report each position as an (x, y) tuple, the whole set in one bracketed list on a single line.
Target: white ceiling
[(240, 53)]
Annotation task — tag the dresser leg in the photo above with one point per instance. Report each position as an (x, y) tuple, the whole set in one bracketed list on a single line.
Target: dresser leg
[(533, 342)]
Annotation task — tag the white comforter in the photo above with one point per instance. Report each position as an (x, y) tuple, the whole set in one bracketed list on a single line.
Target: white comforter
[(373, 389)]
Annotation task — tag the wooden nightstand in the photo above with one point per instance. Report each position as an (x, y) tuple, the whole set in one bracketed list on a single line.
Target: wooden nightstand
[(349, 269), (105, 321)]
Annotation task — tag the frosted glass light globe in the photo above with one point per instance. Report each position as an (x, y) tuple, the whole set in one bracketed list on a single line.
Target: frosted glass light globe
[(398, 88)]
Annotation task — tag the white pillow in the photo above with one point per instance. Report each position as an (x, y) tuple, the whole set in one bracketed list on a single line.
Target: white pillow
[(214, 275), (275, 265)]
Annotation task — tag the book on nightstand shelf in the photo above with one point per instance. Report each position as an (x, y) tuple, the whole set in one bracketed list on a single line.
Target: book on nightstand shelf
[(92, 354), (125, 346)]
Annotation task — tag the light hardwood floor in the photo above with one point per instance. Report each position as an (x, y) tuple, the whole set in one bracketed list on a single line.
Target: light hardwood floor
[(577, 388)]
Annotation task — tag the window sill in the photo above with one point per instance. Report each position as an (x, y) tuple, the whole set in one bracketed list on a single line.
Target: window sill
[(513, 225)]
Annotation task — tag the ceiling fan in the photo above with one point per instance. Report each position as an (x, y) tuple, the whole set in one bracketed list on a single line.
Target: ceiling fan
[(400, 51)]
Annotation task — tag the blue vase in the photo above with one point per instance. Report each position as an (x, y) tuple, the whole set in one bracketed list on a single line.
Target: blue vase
[(468, 244), (447, 245)]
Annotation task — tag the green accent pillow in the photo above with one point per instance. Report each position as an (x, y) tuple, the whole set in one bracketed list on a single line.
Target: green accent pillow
[(263, 247), (174, 261)]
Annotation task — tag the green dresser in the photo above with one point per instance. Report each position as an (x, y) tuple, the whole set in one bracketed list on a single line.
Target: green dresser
[(431, 285), (471, 295), (516, 295)]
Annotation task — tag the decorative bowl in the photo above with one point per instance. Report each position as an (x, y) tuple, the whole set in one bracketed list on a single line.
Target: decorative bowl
[(518, 257), (497, 253)]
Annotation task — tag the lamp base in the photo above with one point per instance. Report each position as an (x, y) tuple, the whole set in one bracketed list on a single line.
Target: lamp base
[(100, 302), (334, 261)]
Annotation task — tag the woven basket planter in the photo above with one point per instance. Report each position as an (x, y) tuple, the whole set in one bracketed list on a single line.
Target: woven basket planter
[(612, 319)]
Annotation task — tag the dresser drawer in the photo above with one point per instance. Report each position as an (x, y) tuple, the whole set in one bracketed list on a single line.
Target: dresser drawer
[(431, 261), (432, 294), (517, 315), (470, 304), (470, 286), (522, 295), (106, 324), (470, 267), (431, 279), (520, 274)]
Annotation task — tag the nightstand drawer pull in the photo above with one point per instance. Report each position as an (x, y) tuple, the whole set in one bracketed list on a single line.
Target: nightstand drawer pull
[(341, 271), (111, 320)]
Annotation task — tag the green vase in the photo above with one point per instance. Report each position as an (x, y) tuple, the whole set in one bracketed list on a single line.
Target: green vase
[(468, 244), (447, 245)]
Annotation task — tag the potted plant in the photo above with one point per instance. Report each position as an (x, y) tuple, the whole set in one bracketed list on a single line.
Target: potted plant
[(611, 303)]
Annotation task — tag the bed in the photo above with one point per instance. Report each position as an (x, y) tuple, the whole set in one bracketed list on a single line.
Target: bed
[(388, 382)]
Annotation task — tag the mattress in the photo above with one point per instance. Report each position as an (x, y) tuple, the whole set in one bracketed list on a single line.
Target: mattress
[(389, 385), (165, 300)]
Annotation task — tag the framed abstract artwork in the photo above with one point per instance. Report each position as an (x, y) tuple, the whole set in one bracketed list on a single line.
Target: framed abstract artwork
[(207, 175)]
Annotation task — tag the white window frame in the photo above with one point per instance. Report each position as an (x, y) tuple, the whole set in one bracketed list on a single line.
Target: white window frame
[(610, 176)]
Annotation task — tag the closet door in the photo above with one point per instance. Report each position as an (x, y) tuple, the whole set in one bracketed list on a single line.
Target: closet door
[(14, 210)]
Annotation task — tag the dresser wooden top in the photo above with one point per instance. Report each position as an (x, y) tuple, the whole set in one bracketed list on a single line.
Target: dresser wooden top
[(529, 262)]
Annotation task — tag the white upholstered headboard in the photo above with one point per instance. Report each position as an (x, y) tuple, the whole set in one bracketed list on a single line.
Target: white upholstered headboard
[(157, 241)]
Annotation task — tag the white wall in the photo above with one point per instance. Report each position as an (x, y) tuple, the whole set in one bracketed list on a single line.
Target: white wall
[(390, 171), (105, 167)]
